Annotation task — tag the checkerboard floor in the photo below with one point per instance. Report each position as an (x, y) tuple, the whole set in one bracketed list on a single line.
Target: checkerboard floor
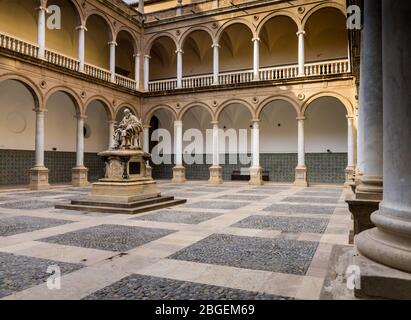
[(233, 241)]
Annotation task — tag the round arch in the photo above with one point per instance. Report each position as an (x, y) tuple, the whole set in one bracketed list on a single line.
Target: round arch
[(319, 7), (267, 101), (132, 36), (190, 30), (346, 103), (150, 114), (70, 93), (278, 14), (105, 103), (30, 85), (195, 104), (153, 39), (104, 17), (232, 22), (235, 101)]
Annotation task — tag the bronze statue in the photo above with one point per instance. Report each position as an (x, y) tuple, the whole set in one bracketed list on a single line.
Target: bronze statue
[(127, 133)]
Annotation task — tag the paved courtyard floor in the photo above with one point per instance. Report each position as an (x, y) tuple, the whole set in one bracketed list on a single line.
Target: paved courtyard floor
[(232, 241)]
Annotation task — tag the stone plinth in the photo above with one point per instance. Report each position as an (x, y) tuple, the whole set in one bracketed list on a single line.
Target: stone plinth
[(39, 178), (216, 175), (361, 211), (79, 177), (179, 174), (301, 176), (256, 176)]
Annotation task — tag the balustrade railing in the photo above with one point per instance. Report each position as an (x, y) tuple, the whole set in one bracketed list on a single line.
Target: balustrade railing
[(97, 72), (327, 68), (197, 81), (17, 45), (279, 73), (162, 85), (62, 60), (126, 82)]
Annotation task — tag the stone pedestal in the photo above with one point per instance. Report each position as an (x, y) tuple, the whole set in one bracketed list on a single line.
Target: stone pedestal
[(379, 281), (370, 188), (39, 178), (216, 175), (361, 211), (79, 177), (179, 174), (256, 176), (301, 176)]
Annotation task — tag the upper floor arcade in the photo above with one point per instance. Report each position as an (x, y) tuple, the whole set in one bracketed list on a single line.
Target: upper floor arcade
[(249, 43)]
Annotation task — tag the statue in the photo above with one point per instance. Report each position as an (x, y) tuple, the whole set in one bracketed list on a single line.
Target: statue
[(127, 133)]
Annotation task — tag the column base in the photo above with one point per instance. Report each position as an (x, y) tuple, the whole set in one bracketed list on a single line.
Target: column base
[(179, 174), (79, 177), (39, 178), (301, 176), (379, 281), (349, 176), (149, 171), (390, 242), (370, 188), (256, 176), (216, 175), (361, 211)]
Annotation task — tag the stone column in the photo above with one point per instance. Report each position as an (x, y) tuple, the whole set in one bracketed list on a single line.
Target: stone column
[(111, 125), (179, 53), (179, 7), (388, 246), (216, 171), (79, 172), (256, 58), (137, 70), (112, 45), (141, 6), (146, 148), (179, 170), (301, 53), (41, 31), (256, 171), (81, 46), (301, 169), (146, 71), (39, 174), (349, 171), (370, 187), (216, 62)]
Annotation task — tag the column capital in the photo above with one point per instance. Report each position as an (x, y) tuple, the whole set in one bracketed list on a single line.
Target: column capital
[(255, 39), (112, 43), (80, 116), (214, 122), (146, 126), (147, 56), (253, 121), (81, 27), (111, 121), (302, 118), (349, 117), (179, 50), (301, 32), (178, 123), (37, 110), (136, 55), (41, 8), (215, 45)]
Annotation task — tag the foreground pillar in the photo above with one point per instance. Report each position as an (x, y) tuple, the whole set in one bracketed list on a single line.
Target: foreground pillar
[(301, 170), (349, 171), (39, 174), (179, 172), (79, 172), (216, 171), (368, 192), (256, 172), (387, 271)]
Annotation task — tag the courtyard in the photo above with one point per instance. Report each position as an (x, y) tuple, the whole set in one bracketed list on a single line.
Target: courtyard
[(230, 241)]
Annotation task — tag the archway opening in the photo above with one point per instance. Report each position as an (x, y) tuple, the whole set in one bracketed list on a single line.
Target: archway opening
[(65, 39), (236, 52), (19, 19), (326, 35), (235, 142), (279, 45), (278, 140), (163, 64), (198, 54), (60, 131), (124, 55), (197, 143), (96, 138), (17, 128), (326, 140), (97, 40)]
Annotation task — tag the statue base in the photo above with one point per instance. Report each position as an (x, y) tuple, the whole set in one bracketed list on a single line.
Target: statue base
[(126, 187)]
